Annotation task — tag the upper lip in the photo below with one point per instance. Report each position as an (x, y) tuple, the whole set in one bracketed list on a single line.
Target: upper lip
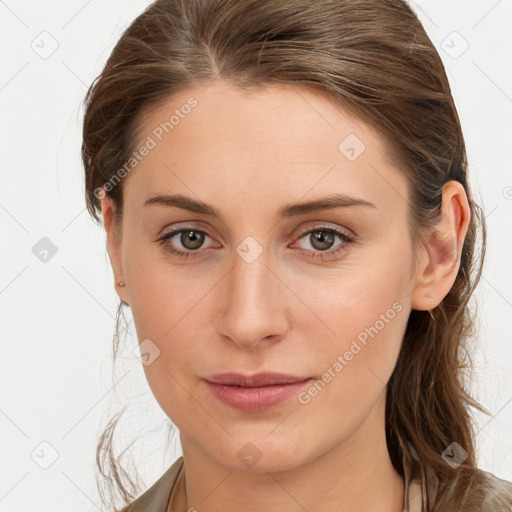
[(255, 380)]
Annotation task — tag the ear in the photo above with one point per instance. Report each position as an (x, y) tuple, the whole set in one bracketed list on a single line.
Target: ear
[(439, 259), (113, 243)]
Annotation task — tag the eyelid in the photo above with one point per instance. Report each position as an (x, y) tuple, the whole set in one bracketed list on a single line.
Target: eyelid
[(347, 241), (186, 225), (196, 225), (166, 236), (316, 227), (346, 236)]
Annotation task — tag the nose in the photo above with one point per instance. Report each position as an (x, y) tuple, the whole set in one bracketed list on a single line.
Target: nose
[(252, 303)]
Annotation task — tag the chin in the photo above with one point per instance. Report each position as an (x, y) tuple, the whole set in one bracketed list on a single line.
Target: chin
[(258, 452)]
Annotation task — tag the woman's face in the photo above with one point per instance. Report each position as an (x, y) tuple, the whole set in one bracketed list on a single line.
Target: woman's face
[(265, 285)]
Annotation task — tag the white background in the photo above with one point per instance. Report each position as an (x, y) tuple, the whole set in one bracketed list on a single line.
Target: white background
[(57, 318)]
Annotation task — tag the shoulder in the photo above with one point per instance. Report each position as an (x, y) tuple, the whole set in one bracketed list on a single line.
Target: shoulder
[(475, 490), (156, 498), (497, 493)]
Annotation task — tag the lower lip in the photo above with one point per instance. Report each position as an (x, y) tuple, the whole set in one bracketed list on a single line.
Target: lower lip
[(257, 398)]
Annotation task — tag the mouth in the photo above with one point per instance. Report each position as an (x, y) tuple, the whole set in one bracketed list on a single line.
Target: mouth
[(257, 392)]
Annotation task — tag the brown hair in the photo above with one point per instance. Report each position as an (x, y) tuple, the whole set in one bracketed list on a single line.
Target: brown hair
[(374, 58)]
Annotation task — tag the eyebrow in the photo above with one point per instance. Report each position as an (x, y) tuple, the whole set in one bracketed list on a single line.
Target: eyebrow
[(287, 211)]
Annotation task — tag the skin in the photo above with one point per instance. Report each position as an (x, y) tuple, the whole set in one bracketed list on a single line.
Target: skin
[(249, 154)]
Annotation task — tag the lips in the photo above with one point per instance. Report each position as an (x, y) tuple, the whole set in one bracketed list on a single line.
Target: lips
[(256, 380), (252, 393)]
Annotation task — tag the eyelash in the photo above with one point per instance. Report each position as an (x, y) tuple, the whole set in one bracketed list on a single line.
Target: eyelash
[(347, 240)]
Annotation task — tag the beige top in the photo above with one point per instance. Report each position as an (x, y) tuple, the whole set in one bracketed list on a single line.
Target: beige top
[(158, 498)]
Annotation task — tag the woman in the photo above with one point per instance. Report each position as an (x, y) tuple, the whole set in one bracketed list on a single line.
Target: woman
[(284, 190)]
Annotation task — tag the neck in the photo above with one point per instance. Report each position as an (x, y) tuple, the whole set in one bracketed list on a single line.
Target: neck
[(354, 476)]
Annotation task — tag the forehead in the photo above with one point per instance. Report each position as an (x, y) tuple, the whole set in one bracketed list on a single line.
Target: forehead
[(220, 141)]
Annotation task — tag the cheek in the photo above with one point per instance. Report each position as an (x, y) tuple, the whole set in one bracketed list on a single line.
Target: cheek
[(168, 307), (355, 365), (165, 309), (359, 322), (160, 295), (341, 304)]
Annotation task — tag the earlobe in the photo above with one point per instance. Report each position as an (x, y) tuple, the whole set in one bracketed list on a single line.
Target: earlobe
[(113, 245), (440, 259)]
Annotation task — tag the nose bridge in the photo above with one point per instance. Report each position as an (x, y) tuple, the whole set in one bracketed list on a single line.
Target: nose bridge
[(252, 308)]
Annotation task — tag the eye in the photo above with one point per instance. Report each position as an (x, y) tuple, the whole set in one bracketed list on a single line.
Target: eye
[(321, 240), (190, 239)]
